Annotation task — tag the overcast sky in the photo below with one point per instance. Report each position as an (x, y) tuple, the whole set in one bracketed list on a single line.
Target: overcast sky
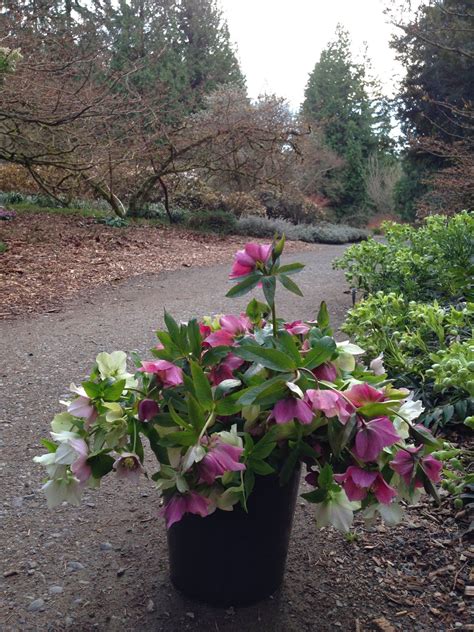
[(279, 41)]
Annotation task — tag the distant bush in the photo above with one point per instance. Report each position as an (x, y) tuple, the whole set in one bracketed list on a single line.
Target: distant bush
[(323, 233), (434, 261), (212, 221), (11, 197), (293, 207)]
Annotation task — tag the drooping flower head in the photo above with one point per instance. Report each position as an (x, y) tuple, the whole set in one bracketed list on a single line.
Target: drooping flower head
[(407, 462), (326, 371), (231, 328), (372, 436), (166, 372), (357, 482), (297, 327), (246, 260), (331, 403), (82, 406), (225, 369), (362, 394), (180, 504), (220, 458), (286, 410), (147, 409), (128, 465)]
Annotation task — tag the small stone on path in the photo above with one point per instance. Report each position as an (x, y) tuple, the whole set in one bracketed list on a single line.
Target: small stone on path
[(56, 590), (36, 605), (75, 566), (190, 615), (106, 546), (150, 607)]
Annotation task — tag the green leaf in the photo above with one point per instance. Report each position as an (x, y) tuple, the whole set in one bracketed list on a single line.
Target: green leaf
[(202, 387), (230, 405), (249, 482), (287, 344), (113, 392), (92, 389), (153, 437), (321, 351), (256, 310), (289, 465), (49, 445), (325, 477), (215, 355), (181, 437), (289, 284), (250, 395), (323, 316), (290, 268), (101, 464), (269, 286), (172, 327), (244, 286), (177, 419), (316, 496), (261, 467), (194, 337), (269, 358), (195, 413), (263, 449)]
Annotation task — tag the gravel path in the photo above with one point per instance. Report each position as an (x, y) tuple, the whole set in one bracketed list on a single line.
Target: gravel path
[(103, 565)]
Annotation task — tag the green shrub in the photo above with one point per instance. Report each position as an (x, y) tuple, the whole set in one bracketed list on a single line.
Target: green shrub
[(435, 261), (212, 221), (426, 347)]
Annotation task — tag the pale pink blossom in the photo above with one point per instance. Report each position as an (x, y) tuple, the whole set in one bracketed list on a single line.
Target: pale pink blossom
[(128, 465), (331, 403), (81, 470), (297, 327)]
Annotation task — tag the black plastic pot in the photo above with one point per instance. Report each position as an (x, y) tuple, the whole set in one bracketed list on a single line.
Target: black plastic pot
[(233, 557)]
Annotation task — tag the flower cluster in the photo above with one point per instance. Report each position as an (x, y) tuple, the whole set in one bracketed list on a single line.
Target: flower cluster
[(233, 397)]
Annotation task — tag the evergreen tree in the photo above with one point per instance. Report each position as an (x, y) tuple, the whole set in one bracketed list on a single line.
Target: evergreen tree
[(337, 97)]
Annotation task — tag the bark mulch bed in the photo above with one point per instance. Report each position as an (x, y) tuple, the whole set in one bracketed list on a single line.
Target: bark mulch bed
[(52, 257)]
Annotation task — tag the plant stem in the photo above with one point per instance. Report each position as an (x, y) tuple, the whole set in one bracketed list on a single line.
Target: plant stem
[(274, 320)]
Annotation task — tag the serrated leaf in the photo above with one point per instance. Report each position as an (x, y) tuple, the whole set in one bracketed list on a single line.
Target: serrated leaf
[(321, 351), (92, 389), (172, 327), (113, 392), (202, 387), (289, 284), (261, 467), (244, 286), (316, 496), (269, 358)]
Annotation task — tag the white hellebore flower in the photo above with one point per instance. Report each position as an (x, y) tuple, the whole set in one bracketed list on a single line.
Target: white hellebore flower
[(376, 366), (114, 365), (59, 490), (347, 350), (337, 511), (410, 409)]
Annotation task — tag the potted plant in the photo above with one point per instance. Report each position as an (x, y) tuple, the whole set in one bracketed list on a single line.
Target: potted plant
[(231, 407)]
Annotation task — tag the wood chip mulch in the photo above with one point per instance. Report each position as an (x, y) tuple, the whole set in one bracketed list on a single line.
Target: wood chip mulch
[(50, 257)]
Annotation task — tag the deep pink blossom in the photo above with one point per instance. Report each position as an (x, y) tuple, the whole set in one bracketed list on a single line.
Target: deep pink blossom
[(362, 394), (372, 436), (225, 370), (166, 372), (326, 371), (80, 468), (221, 457), (204, 330), (406, 463), (231, 328), (292, 408), (297, 327), (128, 465), (147, 409), (180, 504), (358, 482), (331, 403), (247, 259)]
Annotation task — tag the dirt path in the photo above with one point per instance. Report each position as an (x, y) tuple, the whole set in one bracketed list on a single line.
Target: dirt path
[(103, 566)]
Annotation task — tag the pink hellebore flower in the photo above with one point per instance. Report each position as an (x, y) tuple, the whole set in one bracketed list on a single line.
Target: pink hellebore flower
[(82, 407), (326, 372), (362, 394), (297, 327), (221, 458), (81, 470), (406, 461), (147, 409), (358, 482), (247, 259), (331, 403), (225, 370), (180, 504), (231, 327), (292, 408), (128, 465), (373, 436), (167, 373)]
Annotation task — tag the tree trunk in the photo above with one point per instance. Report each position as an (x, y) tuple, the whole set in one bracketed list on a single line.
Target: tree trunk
[(167, 199)]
